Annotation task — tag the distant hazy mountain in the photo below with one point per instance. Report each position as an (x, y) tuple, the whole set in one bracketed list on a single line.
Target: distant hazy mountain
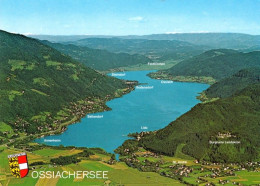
[(37, 81), (155, 49), (218, 64), (65, 38), (213, 40), (99, 59)]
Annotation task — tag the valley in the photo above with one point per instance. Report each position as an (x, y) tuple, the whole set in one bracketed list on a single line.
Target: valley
[(175, 139)]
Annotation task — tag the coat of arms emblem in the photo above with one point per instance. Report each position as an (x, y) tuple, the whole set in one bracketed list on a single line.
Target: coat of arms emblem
[(18, 165)]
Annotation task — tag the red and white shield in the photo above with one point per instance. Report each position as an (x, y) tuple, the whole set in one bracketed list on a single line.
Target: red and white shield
[(18, 165)]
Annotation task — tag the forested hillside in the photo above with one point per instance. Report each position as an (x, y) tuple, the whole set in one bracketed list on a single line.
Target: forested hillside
[(228, 86), (37, 82), (218, 64), (99, 59), (236, 118)]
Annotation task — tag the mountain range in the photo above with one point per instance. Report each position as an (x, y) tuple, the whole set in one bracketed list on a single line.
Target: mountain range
[(37, 82), (213, 40), (154, 49), (34, 75), (97, 58)]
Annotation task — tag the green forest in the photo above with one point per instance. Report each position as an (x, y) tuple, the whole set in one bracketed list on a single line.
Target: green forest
[(99, 59), (37, 82), (34, 76), (217, 64), (230, 85), (225, 128), (235, 118)]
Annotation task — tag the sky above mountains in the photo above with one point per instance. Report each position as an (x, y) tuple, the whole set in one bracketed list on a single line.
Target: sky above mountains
[(129, 17)]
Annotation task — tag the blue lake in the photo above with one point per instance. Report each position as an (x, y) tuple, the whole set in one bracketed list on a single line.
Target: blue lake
[(153, 108)]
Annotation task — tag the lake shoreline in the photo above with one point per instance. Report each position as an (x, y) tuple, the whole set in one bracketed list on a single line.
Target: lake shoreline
[(74, 119), (159, 75), (109, 131)]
